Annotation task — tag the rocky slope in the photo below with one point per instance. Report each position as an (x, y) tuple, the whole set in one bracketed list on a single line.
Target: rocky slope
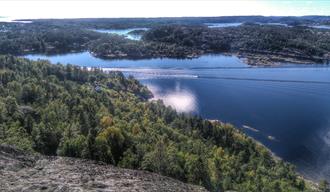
[(20, 171)]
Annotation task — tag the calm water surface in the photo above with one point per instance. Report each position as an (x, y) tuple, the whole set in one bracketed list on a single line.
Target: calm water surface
[(123, 32), (320, 26), (287, 108), (221, 25)]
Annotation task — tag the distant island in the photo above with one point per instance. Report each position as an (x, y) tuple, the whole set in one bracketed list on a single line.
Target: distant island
[(256, 43)]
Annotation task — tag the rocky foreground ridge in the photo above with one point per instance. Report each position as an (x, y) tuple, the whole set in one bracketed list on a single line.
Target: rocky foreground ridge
[(21, 171)]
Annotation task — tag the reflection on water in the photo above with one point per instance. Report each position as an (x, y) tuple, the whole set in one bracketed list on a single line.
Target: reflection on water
[(276, 24), (326, 136), (325, 162), (314, 157), (182, 100), (147, 73), (289, 105), (124, 32), (13, 20), (207, 62), (320, 26), (221, 25)]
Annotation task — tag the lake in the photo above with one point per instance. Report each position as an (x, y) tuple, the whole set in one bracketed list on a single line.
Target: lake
[(320, 26), (221, 25), (13, 20), (287, 108), (123, 32)]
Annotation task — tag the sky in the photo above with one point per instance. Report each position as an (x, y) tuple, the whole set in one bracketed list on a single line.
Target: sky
[(27, 9)]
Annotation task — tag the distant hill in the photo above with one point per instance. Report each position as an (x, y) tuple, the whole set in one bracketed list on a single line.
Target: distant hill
[(151, 22)]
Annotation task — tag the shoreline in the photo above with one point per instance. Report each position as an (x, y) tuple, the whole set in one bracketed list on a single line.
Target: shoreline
[(251, 59), (273, 59), (312, 183)]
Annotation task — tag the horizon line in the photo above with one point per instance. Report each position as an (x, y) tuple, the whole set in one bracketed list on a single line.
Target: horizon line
[(45, 18)]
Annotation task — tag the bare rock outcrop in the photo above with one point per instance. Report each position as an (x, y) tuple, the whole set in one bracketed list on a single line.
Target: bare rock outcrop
[(21, 171)]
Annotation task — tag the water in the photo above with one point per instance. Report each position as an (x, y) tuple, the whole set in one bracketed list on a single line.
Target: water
[(13, 20), (221, 25), (123, 32), (287, 108), (277, 24), (320, 26)]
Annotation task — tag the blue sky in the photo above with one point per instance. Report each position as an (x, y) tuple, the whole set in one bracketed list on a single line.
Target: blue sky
[(160, 8), (301, 7)]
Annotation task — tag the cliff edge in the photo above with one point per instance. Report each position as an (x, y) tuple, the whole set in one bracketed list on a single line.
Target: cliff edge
[(21, 171)]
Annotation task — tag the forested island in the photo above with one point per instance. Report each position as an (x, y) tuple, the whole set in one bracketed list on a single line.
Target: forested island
[(19, 38), (257, 43), (70, 111), (261, 44), (124, 23)]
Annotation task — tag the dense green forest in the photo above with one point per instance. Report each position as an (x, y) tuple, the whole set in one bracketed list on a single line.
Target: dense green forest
[(179, 41), (75, 112), (35, 38), (300, 42), (115, 46), (182, 41), (122, 23), (48, 38)]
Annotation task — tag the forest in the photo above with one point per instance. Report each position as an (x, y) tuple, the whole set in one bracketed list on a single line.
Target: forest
[(118, 47), (75, 112), (297, 42), (21, 39), (275, 43), (122, 23)]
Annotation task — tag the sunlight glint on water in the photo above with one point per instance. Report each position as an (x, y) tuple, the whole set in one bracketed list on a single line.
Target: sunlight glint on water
[(181, 100)]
